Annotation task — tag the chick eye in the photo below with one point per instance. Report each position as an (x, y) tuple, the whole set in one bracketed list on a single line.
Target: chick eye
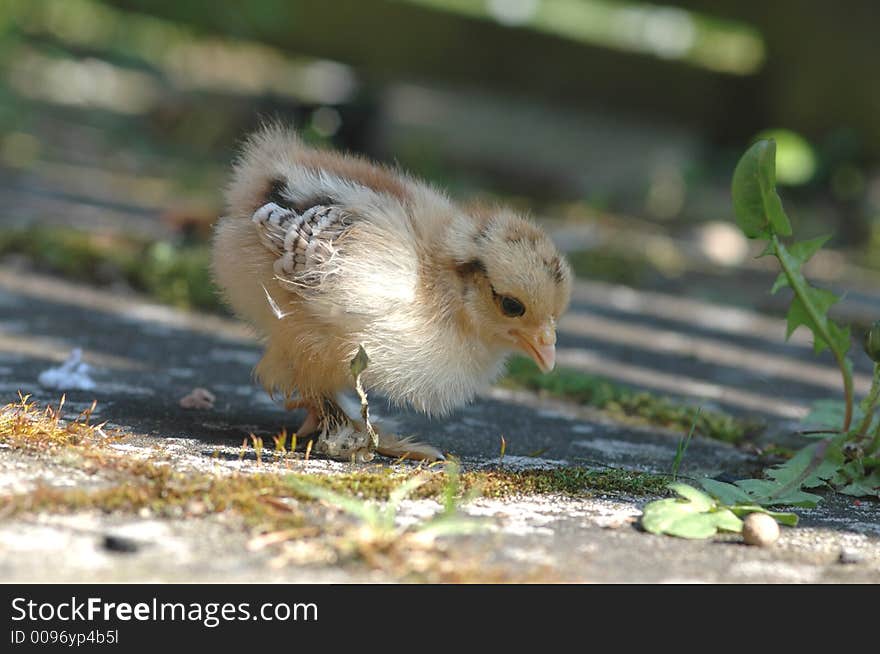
[(512, 307)]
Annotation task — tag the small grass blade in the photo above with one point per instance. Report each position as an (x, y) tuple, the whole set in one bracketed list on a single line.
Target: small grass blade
[(683, 445)]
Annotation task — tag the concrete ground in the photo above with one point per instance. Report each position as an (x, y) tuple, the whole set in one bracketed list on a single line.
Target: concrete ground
[(145, 357)]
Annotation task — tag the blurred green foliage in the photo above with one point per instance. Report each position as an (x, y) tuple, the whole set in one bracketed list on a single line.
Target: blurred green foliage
[(177, 274), (623, 402)]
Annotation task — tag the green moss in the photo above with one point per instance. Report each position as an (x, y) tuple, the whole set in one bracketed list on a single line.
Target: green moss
[(571, 480), (273, 501), (567, 481), (623, 402)]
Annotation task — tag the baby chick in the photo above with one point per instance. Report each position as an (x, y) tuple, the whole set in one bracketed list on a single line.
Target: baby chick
[(323, 252)]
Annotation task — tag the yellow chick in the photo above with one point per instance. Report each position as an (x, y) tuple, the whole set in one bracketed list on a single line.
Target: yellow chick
[(322, 252)]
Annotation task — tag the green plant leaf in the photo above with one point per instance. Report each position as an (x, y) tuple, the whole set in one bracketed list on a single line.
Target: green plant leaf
[(695, 516), (682, 519), (756, 204), (781, 282), (840, 339), (828, 413), (865, 486), (860, 489), (788, 472), (799, 253), (798, 314), (359, 362), (657, 516), (697, 498), (726, 520), (724, 492), (803, 251), (704, 525), (810, 305), (761, 491)]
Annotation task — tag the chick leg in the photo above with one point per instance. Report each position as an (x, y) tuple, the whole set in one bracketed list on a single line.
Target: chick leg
[(339, 436), (310, 425)]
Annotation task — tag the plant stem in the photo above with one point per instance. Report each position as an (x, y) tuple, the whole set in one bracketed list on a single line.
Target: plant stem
[(870, 405), (822, 330), (874, 448)]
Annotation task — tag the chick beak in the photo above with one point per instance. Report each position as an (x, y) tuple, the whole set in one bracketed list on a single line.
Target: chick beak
[(539, 345)]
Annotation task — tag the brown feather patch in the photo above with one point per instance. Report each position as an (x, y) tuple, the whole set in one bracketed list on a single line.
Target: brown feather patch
[(557, 270), (373, 176), (470, 268)]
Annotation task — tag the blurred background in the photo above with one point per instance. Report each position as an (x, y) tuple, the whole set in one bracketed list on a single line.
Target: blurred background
[(616, 123)]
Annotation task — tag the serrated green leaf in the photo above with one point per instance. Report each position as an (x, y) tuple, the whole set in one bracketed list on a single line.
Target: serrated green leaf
[(789, 472), (698, 498), (810, 305), (798, 315), (761, 491), (724, 492), (803, 251), (840, 338), (769, 249), (798, 255), (756, 204), (780, 283), (859, 489), (829, 413), (864, 486)]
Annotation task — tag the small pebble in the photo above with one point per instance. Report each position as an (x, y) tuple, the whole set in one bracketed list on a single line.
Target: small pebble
[(760, 529), (198, 398), (120, 545), (849, 557)]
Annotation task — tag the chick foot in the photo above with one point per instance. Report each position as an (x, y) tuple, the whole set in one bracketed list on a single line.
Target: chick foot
[(338, 436), (343, 438)]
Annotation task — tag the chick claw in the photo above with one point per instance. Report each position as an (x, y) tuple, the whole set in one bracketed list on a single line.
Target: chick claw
[(344, 439)]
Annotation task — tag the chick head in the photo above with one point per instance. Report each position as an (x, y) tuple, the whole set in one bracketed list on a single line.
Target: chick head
[(517, 285)]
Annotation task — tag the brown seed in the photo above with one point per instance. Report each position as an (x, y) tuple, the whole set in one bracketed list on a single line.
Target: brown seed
[(760, 529)]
